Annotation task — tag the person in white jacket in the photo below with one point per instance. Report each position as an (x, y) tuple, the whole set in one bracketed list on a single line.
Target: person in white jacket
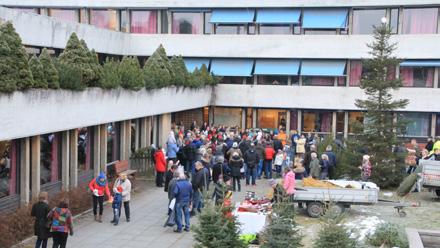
[(126, 192)]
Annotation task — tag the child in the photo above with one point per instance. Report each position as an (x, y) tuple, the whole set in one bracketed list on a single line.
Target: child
[(116, 205), (279, 159)]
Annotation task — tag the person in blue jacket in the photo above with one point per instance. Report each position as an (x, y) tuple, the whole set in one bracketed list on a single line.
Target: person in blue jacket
[(172, 150), (183, 192), (116, 205)]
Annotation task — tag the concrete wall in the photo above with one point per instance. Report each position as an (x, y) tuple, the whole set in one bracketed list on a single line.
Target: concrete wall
[(44, 111), (44, 31), (315, 97), (212, 3)]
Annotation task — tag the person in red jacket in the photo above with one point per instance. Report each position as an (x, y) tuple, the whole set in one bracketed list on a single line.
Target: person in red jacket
[(267, 166), (99, 187), (161, 167)]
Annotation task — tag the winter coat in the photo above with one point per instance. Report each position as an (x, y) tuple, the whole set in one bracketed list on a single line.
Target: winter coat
[(331, 158), (277, 145), (300, 145), (61, 220), (231, 151), (269, 152), (168, 176), (40, 211), (315, 168), (260, 151), (183, 191), (200, 180), (189, 152), (308, 159), (126, 189), (235, 164), (289, 183), (218, 169), (172, 150), (101, 189), (171, 187), (244, 146), (117, 201), (161, 163), (251, 158)]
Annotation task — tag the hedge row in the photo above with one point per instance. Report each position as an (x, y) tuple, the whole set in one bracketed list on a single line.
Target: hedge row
[(77, 68)]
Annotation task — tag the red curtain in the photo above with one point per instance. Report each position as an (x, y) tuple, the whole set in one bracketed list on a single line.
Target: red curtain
[(355, 73), (144, 22), (68, 15), (407, 76), (430, 77), (420, 21), (13, 168), (54, 155)]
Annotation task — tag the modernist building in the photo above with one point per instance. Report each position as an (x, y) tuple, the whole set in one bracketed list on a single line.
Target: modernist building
[(295, 63)]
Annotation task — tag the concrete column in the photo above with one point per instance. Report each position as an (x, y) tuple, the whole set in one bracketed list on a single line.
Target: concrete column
[(255, 79), (243, 117), (25, 173), (300, 80), (96, 151), (288, 123), (299, 121), (164, 128), (345, 125), (35, 165), (159, 21), (73, 147), (211, 115), (289, 80), (65, 159), (127, 150), (433, 124), (148, 129), (334, 121), (123, 141), (170, 22), (103, 146), (143, 131), (137, 131), (350, 21), (254, 117), (347, 78), (400, 25), (436, 77)]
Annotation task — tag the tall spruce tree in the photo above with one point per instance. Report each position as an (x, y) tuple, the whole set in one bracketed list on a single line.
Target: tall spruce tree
[(49, 70), (180, 73), (131, 74), (8, 82), (16, 58), (380, 129), (111, 77), (157, 70), (37, 73)]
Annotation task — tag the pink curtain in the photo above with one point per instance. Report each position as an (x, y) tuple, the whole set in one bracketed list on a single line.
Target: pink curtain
[(144, 22), (430, 77), (54, 154), (420, 21), (196, 23), (13, 168), (104, 19), (68, 15), (407, 76), (322, 81), (326, 120), (355, 73)]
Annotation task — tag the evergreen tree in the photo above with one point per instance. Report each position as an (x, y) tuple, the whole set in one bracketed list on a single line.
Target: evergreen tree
[(157, 70), (16, 58), (110, 77), (215, 229), (205, 77), (8, 83), (70, 76), (333, 233), (131, 74), (181, 75), (49, 70), (195, 79), (380, 130), (37, 73)]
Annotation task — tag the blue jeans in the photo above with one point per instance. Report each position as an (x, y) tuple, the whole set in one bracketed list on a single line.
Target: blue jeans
[(41, 242), (197, 200), (268, 168), (251, 172), (182, 207), (116, 214), (260, 168)]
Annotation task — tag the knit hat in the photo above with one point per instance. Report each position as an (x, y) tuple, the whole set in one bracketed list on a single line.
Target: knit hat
[(119, 189)]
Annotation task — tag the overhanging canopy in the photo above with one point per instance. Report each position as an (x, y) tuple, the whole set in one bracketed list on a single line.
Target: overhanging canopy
[(232, 67), (278, 16), (331, 68), (232, 16), (288, 67), (325, 18), (420, 63), (193, 63)]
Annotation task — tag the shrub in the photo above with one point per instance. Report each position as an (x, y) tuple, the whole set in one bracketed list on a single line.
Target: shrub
[(49, 70), (37, 73), (333, 233), (388, 235), (70, 77), (110, 77), (131, 74), (157, 70), (7, 82), (181, 75)]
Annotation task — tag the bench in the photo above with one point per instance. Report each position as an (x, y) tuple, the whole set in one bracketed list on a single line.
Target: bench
[(120, 168)]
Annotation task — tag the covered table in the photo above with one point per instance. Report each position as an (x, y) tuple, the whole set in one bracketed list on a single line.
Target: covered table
[(250, 223)]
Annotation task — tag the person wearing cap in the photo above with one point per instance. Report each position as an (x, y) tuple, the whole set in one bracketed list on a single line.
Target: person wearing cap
[(236, 163), (116, 205), (99, 187), (233, 150), (125, 185)]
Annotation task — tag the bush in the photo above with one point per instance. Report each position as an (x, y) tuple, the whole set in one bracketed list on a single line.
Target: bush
[(333, 233), (37, 73), (388, 235), (70, 77), (131, 74), (157, 70), (110, 77), (181, 75), (49, 70)]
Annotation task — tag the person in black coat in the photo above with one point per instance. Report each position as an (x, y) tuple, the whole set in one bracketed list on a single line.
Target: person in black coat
[(189, 151), (40, 211), (169, 174), (236, 163), (199, 182), (219, 169), (251, 159)]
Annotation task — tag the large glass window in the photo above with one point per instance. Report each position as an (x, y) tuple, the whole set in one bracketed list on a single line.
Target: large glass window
[(318, 81), (84, 149), (417, 124), (317, 121), (394, 21), (208, 25), (28, 10), (437, 125), (365, 19), (417, 76), (50, 155), (187, 23), (270, 29), (271, 118), (144, 22), (113, 141), (230, 29), (420, 21), (69, 15), (227, 116), (294, 120), (355, 122), (8, 168), (83, 16), (355, 73), (272, 80), (107, 19), (233, 80)]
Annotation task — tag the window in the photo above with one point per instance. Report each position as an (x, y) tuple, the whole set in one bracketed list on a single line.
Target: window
[(107, 19), (272, 80), (187, 23), (230, 29), (271, 118), (68, 15), (437, 125), (112, 142), (420, 21), (28, 10), (8, 168), (394, 21), (293, 120), (233, 80), (355, 73), (364, 20), (417, 124), (84, 149), (318, 81), (83, 17), (270, 29), (317, 121), (417, 76), (50, 156), (208, 25), (227, 116), (295, 80), (144, 22), (340, 116), (355, 122), (124, 20)]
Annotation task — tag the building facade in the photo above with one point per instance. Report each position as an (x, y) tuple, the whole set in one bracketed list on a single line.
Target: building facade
[(295, 64)]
